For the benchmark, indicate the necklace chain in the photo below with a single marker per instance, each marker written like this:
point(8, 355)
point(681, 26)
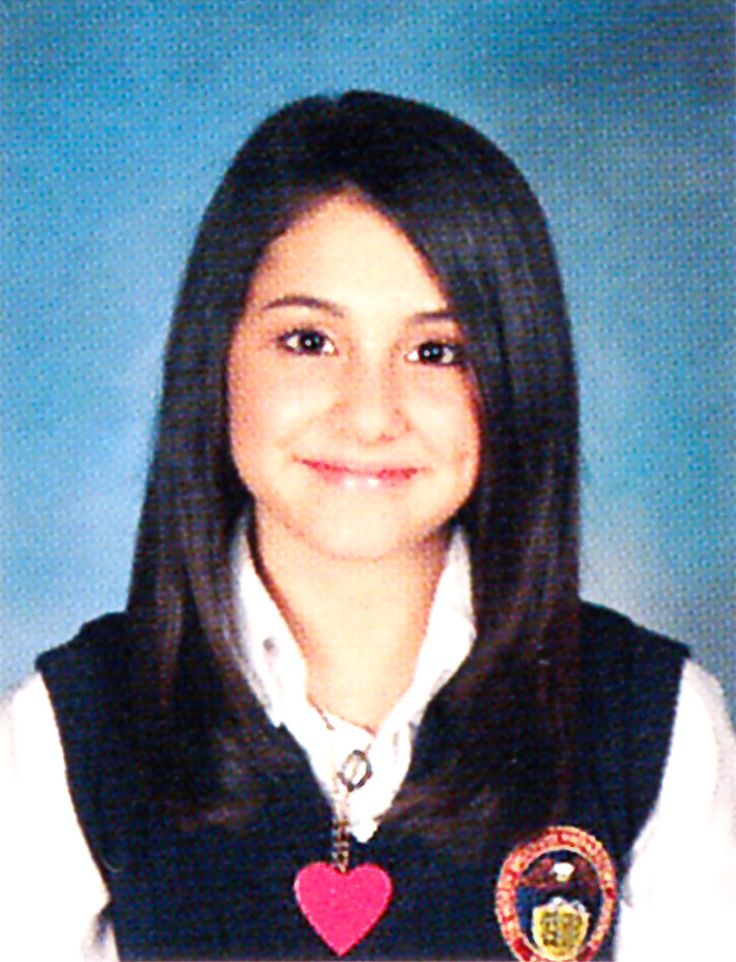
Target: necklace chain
point(352, 774)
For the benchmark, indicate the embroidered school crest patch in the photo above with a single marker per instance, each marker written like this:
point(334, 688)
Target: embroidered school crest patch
point(556, 896)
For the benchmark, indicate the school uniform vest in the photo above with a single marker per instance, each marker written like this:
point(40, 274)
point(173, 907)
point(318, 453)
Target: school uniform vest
point(216, 893)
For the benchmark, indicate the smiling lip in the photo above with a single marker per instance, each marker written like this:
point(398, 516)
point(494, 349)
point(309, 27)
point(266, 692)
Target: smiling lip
point(369, 476)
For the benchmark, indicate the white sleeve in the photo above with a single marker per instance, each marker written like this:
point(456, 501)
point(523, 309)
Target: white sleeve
point(51, 892)
point(679, 896)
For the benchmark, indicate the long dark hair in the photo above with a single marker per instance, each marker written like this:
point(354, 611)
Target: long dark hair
point(467, 209)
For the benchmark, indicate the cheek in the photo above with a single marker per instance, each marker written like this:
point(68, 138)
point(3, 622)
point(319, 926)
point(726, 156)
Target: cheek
point(451, 425)
point(466, 453)
point(268, 408)
point(250, 407)
point(255, 411)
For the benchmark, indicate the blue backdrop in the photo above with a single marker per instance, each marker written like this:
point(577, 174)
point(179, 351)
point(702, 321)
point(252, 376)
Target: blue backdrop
point(120, 118)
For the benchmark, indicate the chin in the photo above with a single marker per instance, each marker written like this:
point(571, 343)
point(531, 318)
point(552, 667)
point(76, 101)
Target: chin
point(367, 539)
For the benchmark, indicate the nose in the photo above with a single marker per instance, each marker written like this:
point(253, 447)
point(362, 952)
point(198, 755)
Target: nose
point(371, 401)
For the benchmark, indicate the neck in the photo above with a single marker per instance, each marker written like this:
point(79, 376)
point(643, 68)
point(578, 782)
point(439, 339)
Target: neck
point(360, 623)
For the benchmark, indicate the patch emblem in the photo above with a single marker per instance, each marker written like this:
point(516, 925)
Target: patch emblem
point(556, 896)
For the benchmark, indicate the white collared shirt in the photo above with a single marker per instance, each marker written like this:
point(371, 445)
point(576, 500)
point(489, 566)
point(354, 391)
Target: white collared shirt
point(676, 900)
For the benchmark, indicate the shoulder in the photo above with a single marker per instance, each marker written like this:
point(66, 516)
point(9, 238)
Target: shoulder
point(629, 674)
point(88, 681)
point(701, 769)
point(629, 687)
point(48, 726)
point(685, 856)
point(609, 634)
point(96, 644)
point(47, 871)
point(627, 670)
point(29, 738)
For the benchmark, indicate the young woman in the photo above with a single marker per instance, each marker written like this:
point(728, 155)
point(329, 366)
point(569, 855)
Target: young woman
point(355, 705)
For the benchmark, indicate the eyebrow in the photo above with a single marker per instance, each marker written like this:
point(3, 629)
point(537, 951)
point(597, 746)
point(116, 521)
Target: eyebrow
point(330, 307)
point(304, 300)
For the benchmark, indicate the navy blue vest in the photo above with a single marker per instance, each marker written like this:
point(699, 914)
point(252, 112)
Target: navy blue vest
point(217, 893)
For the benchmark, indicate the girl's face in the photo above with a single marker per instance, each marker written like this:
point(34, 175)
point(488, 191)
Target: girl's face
point(352, 415)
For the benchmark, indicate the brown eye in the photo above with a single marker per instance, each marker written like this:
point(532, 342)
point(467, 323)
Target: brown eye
point(437, 354)
point(307, 341)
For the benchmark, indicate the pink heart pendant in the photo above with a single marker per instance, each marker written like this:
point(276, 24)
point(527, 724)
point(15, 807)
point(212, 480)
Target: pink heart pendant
point(342, 907)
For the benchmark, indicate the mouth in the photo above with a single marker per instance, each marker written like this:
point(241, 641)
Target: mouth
point(369, 477)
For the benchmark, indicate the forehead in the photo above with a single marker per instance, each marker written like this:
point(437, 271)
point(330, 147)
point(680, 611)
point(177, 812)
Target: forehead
point(342, 246)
